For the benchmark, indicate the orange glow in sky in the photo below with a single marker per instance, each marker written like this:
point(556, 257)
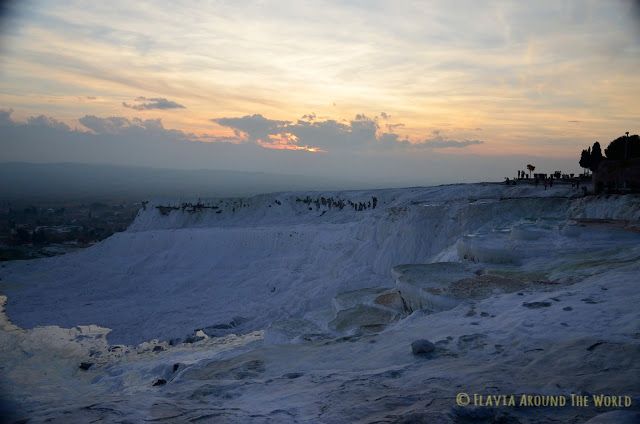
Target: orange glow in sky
point(523, 78)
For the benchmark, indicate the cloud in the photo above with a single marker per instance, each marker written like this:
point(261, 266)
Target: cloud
point(436, 141)
point(360, 135)
point(309, 133)
point(306, 134)
point(437, 144)
point(115, 140)
point(144, 103)
point(40, 121)
point(112, 125)
point(144, 128)
point(254, 127)
point(308, 117)
point(392, 127)
point(47, 122)
point(353, 149)
point(5, 117)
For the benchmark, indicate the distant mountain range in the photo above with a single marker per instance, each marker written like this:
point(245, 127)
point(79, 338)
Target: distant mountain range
point(28, 182)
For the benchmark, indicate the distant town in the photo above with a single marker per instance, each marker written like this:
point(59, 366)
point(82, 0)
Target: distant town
point(28, 232)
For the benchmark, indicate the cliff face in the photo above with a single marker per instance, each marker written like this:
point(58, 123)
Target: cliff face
point(267, 257)
point(618, 174)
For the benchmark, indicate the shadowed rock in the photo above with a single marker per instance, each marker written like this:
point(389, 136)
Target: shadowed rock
point(422, 347)
point(536, 305)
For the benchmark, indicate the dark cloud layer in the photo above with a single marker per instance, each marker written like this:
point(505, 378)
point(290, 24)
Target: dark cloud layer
point(360, 133)
point(117, 125)
point(144, 103)
point(255, 127)
point(381, 160)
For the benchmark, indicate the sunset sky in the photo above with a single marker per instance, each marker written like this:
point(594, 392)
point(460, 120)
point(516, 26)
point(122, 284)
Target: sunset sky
point(451, 78)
